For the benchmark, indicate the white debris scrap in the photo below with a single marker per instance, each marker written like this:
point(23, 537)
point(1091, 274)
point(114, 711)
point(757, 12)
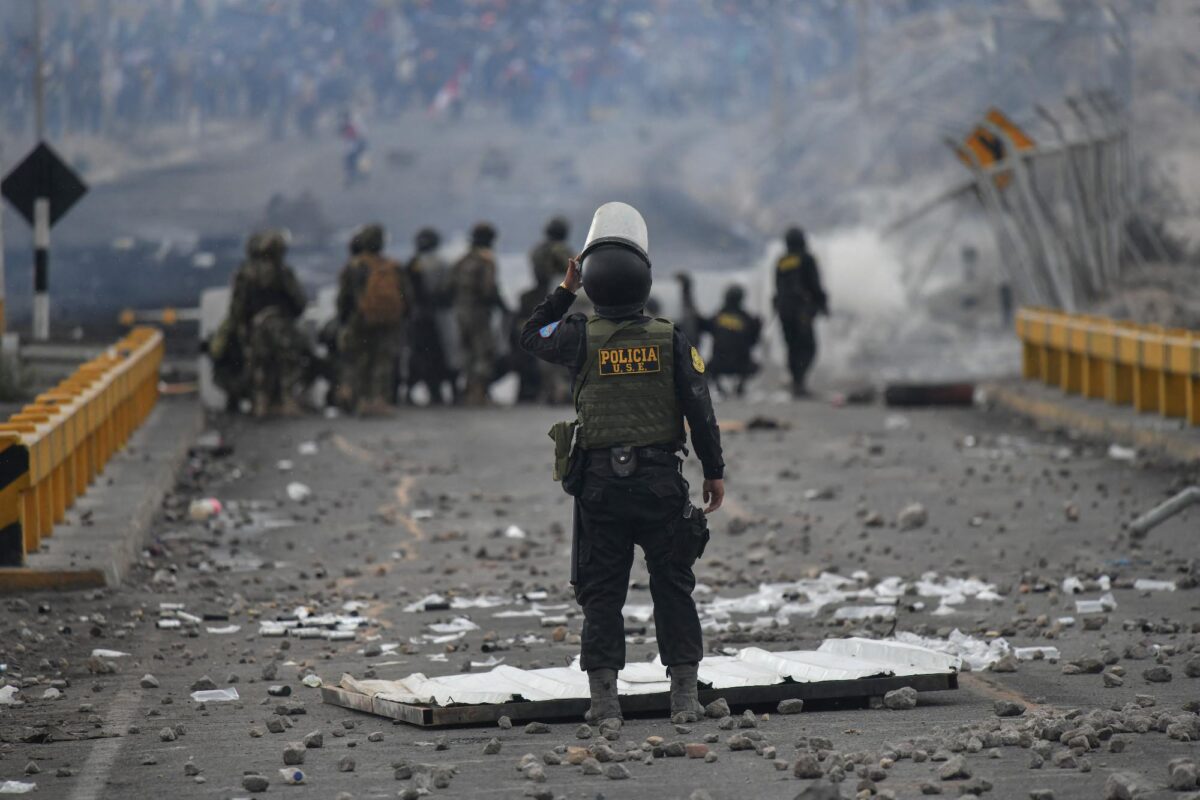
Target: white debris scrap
point(298, 492)
point(16, 787)
point(1031, 653)
point(1105, 604)
point(307, 448)
point(955, 591)
point(223, 630)
point(974, 651)
point(8, 696)
point(457, 603)
point(1149, 585)
point(102, 653)
point(216, 695)
point(514, 532)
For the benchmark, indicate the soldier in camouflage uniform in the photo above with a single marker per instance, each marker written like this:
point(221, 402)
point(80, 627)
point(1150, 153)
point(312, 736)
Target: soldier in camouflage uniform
point(549, 260)
point(476, 294)
point(267, 300)
point(373, 297)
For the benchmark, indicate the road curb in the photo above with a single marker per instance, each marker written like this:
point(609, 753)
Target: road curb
point(1096, 419)
point(120, 508)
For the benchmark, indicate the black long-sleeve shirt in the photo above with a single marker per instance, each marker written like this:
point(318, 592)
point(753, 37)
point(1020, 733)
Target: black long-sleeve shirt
point(565, 343)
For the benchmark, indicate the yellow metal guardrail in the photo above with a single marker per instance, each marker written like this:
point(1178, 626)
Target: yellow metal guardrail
point(1152, 368)
point(52, 449)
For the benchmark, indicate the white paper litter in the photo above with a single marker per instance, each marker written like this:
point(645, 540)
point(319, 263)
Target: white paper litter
point(298, 492)
point(16, 787)
point(1118, 453)
point(1105, 604)
point(168, 624)
point(216, 695)
point(422, 514)
point(285, 465)
point(8, 696)
point(307, 448)
point(456, 625)
point(1150, 585)
point(227, 629)
point(102, 653)
point(514, 532)
point(458, 603)
point(864, 612)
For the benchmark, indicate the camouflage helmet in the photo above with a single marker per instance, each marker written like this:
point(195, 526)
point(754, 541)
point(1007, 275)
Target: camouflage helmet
point(254, 244)
point(274, 243)
point(371, 237)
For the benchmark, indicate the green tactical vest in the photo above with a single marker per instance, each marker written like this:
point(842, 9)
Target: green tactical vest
point(625, 395)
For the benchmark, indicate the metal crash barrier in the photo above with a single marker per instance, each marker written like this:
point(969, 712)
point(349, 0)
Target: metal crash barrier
point(1152, 368)
point(53, 449)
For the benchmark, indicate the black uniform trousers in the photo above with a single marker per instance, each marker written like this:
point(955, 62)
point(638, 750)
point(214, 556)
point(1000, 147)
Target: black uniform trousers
point(615, 514)
point(801, 338)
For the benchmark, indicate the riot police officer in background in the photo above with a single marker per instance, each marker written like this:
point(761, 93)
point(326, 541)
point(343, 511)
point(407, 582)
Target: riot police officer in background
point(635, 381)
point(799, 298)
point(734, 333)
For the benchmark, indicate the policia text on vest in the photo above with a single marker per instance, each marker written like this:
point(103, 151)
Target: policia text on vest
point(628, 360)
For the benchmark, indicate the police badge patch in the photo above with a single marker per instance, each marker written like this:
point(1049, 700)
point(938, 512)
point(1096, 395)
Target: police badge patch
point(697, 361)
point(547, 331)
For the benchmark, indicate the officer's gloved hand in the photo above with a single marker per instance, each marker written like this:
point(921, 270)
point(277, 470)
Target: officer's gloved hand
point(714, 495)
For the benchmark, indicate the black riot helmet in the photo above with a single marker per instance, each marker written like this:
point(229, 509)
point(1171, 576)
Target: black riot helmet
point(483, 235)
point(734, 296)
point(557, 229)
point(616, 261)
point(795, 241)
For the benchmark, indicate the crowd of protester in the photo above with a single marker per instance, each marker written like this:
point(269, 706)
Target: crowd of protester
point(114, 66)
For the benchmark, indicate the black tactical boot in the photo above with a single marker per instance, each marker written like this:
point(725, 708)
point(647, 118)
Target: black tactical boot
point(685, 700)
point(605, 705)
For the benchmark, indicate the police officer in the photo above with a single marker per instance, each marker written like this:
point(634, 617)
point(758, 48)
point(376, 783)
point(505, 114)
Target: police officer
point(799, 298)
point(734, 333)
point(636, 380)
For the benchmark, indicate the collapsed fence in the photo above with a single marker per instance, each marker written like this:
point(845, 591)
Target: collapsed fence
point(52, 450)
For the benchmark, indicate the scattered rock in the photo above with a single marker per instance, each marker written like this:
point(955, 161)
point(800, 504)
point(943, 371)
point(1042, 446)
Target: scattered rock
point(1191, 667)
point(717, 709)
point(149, 681)
point(1124, 786)
point(696, 750)
point(820, 790)
point(1157, 674)
point(255, 783)
point(346, 764)
point(293, 754)
point(955, 769)
point(1009, 708)
point(167, 735)
point(537, 727)
point(807, 766)
point(204, 684)
point(492, 747)
point(505, 723)
point(790, 706)
point(314, 740)
point(1112, 679)
point(583, 732)
point(912, 516)
point(617, 772)
point(901, 699)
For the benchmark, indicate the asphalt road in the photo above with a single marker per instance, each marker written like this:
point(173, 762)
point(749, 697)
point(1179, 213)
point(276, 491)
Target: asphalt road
point(405, 507)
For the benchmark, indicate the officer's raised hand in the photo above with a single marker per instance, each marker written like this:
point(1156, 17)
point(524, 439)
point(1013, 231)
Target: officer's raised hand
point(714, 495)
point(573, 280)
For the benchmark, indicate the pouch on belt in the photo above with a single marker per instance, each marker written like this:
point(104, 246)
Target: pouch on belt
point(690, 534)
